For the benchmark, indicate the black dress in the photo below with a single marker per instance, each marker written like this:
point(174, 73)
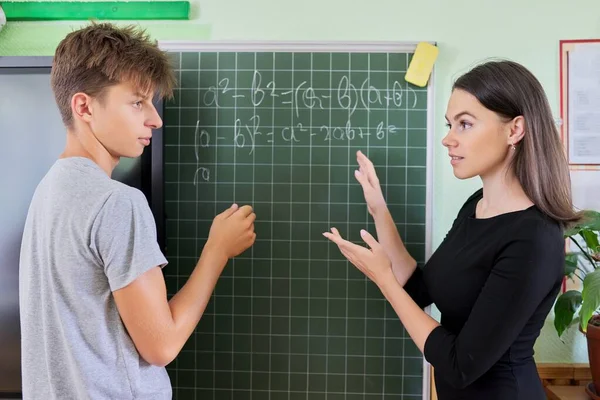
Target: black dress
point(494, 281)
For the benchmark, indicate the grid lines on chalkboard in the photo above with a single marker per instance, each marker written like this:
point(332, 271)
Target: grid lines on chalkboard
point(290, 318)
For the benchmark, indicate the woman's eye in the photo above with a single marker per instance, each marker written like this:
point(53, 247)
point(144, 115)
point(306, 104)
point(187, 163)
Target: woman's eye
point(137, 104)
point(465, 125)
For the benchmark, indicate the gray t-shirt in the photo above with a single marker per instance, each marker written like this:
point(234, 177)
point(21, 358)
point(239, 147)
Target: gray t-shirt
point(85, 236)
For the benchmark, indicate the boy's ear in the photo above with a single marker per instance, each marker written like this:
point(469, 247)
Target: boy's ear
point(81, 107)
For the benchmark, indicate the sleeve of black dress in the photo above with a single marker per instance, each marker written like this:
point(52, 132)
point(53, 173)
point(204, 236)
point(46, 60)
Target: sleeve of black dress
point(417, 290)
point(527, 268)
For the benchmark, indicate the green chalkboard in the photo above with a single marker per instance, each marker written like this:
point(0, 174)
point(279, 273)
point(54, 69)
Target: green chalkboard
point(290, 318)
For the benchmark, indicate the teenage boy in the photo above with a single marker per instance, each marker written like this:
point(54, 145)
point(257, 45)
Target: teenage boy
point(95, 319)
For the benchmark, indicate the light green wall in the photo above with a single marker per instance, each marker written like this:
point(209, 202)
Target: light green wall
point(467, 32)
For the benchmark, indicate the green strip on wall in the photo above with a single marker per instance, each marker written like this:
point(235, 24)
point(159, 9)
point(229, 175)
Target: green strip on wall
point(103, 10)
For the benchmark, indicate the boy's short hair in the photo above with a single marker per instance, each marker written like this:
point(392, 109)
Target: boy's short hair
point(101, 55)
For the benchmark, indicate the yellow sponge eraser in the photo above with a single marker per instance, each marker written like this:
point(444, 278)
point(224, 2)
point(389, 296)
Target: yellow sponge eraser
point(420, 67)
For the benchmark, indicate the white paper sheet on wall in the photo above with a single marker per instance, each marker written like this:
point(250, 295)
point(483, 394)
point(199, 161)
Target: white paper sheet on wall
point(584, 104)
point(585, 187)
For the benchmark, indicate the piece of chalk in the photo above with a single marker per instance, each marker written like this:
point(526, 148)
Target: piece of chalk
point(421, 65)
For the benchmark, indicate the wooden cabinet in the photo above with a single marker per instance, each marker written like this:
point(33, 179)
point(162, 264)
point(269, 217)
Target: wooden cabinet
point(558, 392)
point(561, 381)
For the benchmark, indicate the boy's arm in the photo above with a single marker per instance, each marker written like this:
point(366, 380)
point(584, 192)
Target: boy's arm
point(159, 328)
point(123, 239)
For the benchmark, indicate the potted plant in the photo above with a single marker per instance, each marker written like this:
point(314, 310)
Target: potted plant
point(574, 306)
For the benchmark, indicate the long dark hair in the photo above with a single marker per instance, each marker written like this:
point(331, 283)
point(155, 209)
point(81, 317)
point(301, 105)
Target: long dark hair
point(539, 162)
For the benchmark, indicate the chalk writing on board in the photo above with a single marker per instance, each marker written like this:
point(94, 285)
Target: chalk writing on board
point(245, 133)
point(202, 173)
point(347, 95)
point(201, 139)
point(211, 97)
point(258, 94)
point(239, 137)
point(349, 133)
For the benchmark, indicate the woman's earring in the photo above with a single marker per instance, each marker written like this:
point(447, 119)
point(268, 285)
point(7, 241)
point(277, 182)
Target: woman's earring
point(513, 146)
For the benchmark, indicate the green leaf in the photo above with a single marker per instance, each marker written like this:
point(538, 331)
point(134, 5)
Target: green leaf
point(564, 309)
point(591, 297)
point(591, 221)
point(591, 240)
point(571, 263)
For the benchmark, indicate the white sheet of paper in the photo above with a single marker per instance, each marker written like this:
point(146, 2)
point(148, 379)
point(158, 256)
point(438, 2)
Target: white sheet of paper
point(585, 187)
point(584, 104)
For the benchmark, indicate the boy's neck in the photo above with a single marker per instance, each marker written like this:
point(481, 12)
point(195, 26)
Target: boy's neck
point(84, 144)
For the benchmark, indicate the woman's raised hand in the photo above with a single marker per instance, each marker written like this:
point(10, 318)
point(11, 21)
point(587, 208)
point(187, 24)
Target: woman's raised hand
point(367, 177)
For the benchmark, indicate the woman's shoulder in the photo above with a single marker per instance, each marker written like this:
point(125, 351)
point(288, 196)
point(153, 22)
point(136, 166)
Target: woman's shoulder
point(533, 222)
point(535, 239)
